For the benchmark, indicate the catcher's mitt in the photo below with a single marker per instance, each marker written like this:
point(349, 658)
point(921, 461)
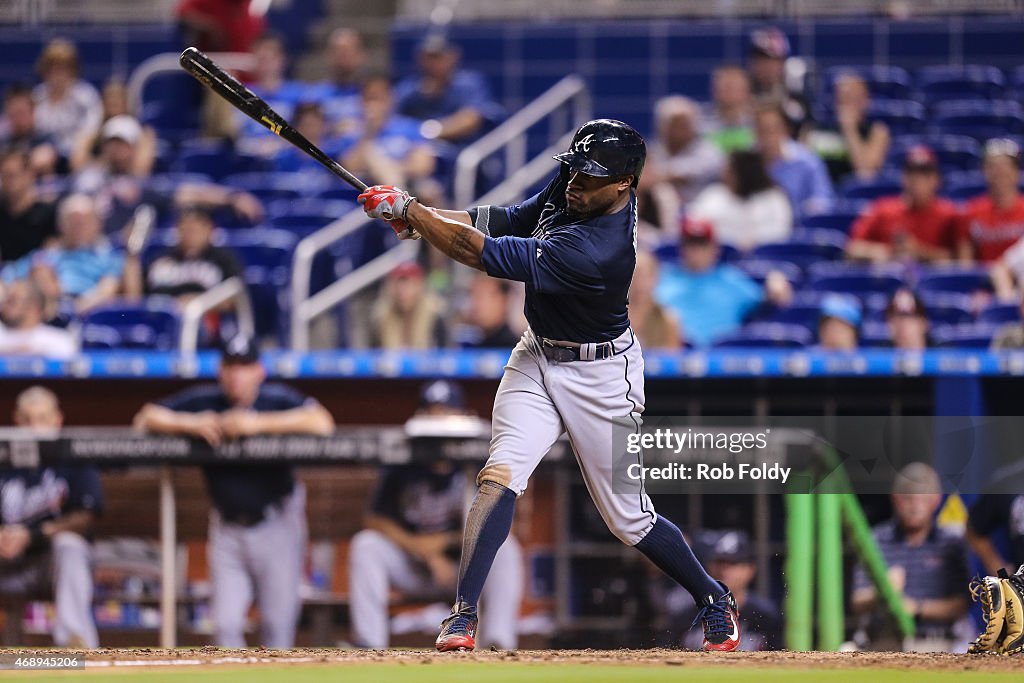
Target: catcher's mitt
point(1002, 606)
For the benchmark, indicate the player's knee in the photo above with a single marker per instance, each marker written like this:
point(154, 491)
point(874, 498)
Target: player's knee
point(64, 542)
point(495, 473)
point(365, 545)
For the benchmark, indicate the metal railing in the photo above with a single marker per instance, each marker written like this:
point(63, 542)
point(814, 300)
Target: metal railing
point(305, 307)
point(570, 92)
point(90, 11)
point(167, 62)
point(193, 312)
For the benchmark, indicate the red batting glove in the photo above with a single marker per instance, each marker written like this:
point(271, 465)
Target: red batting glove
point(390, 204)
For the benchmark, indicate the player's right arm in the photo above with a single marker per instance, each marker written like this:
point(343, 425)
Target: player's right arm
point(180, 414)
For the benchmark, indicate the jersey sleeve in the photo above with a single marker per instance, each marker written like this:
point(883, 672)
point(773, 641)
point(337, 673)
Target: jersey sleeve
point(385, 497)
point(518, 220)
point(193, 400)
point(282, 397)
point(558, 265)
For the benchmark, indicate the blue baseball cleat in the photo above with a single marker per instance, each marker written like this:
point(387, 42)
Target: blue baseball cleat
point(458, 631)
point(720, 618)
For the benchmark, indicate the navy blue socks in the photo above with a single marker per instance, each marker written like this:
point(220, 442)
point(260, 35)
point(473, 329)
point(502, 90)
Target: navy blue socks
point(665, 546)
point(487, 527)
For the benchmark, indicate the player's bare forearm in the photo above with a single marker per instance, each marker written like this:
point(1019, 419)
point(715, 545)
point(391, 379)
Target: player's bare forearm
point(76, 521)
point(450, 236)
point(305, 420)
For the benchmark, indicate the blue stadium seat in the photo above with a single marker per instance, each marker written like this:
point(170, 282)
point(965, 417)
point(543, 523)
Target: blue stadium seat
point(852, 278)
point(968, 336)
point(771, 335)
point(903, 117)
point(804, 309)
point(339, 191)
point(1000, 314)
point(152, 324)
point(945, 308)
point(805, 249)
point(303, 216)
point(215, 158)
point(953, 279)
point(882, 186)
point(267, 186)
point(757, 269)
point(266, 256)
point(980, 120)
point(955, 152)
point(884, 82)
point(840, 217)
point(946, 82)
point(964, 185)
point(875, 334)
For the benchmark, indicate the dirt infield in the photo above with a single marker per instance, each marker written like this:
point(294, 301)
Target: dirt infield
point(212, 657)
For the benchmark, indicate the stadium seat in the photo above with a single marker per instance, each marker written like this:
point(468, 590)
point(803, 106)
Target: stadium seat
point(805, 249)
point(945, 308)
point(266, 256)
point(875, 334)
point(152, 324)
point(335, 192)
point(955, 152)
point(267, 186)
point(303, 216)
point(1000, 314)
point(903, 117)
point(968, 336)
point(772, 335)
point(980, 120)
point(757, 269)
point(947, 82)
point(804, 310)
point(840, 217)
point(953, 278)
point(882, 186)
point(964, 185)
point(215, 158)
point(860, 280)
point(884, 82)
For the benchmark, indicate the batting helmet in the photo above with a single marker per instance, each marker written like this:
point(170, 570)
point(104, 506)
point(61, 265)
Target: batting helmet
point(606, 148)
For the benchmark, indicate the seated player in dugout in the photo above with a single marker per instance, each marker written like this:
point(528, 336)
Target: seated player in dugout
point(46, 521)
point(257, 534)
point(577, 368)
point(411, 541)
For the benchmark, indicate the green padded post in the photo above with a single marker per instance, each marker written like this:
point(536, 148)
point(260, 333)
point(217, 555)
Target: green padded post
point(799, 572)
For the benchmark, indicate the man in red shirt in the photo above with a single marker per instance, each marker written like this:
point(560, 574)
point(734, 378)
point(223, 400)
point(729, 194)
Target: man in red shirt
point(219, 25)
point(995, 220)
point(916, 225)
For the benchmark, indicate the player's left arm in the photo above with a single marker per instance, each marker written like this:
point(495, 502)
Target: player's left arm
point(312, 418)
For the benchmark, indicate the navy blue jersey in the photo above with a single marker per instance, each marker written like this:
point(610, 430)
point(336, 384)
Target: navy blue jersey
point(34, 496)
point(577, 271)
point(420, 499)
point(239, 491)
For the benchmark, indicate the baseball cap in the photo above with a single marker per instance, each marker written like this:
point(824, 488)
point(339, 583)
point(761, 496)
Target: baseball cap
point(917, 477)
point(920, 158)
point(769, 42)
point(406, 269)
point(239, 350)
point(842, 307)
point(442, 393)
point(436, 43)
point(121, 127)
point(1003, 147)
point(697, 230)
point(726, 545)
point(905, 302)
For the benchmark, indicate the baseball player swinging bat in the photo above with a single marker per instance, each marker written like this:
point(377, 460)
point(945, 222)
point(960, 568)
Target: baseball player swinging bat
point(206, 71)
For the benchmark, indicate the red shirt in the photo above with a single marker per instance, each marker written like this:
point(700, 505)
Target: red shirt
point(990, 229)
point(936, 224)
point(229, 19)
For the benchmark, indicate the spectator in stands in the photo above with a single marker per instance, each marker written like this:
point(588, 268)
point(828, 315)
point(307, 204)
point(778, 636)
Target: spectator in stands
point(918, 225)
point(927, 565)
point(994, 221)
point(19, 133)
point(81, 266)
point(407, 315)
point(65, 104)
point(774, 81)
point(454, 104)
point(907, 319)
point(258, 523)
point(270, 83)
point(189, 268)
point(995, 515)
point(1010, 335)
point(487, 320)
point(728, 555)
point(309, 120)
point(46, 520)
point(747, 208)
point(26, 222)
point(89, 145)
point(857, 146)
point(654, 324)
point(23, 331)
point(413, 535)
point(219, 25)
point(839, 323)
point(346, 64)
point(709, 298)
point(384, 147)
point(730, 122)
point(796, 169)
point(680, 161)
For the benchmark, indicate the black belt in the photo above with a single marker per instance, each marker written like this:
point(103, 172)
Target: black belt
point(565, 352)
point(252, 518)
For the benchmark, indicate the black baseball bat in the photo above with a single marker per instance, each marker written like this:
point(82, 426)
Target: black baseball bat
point(206, 71)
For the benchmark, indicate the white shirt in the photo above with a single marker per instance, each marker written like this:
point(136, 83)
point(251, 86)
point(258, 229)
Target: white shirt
point(762, 218)
point(41, 340)
point(700, 163)
point(79, 110)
